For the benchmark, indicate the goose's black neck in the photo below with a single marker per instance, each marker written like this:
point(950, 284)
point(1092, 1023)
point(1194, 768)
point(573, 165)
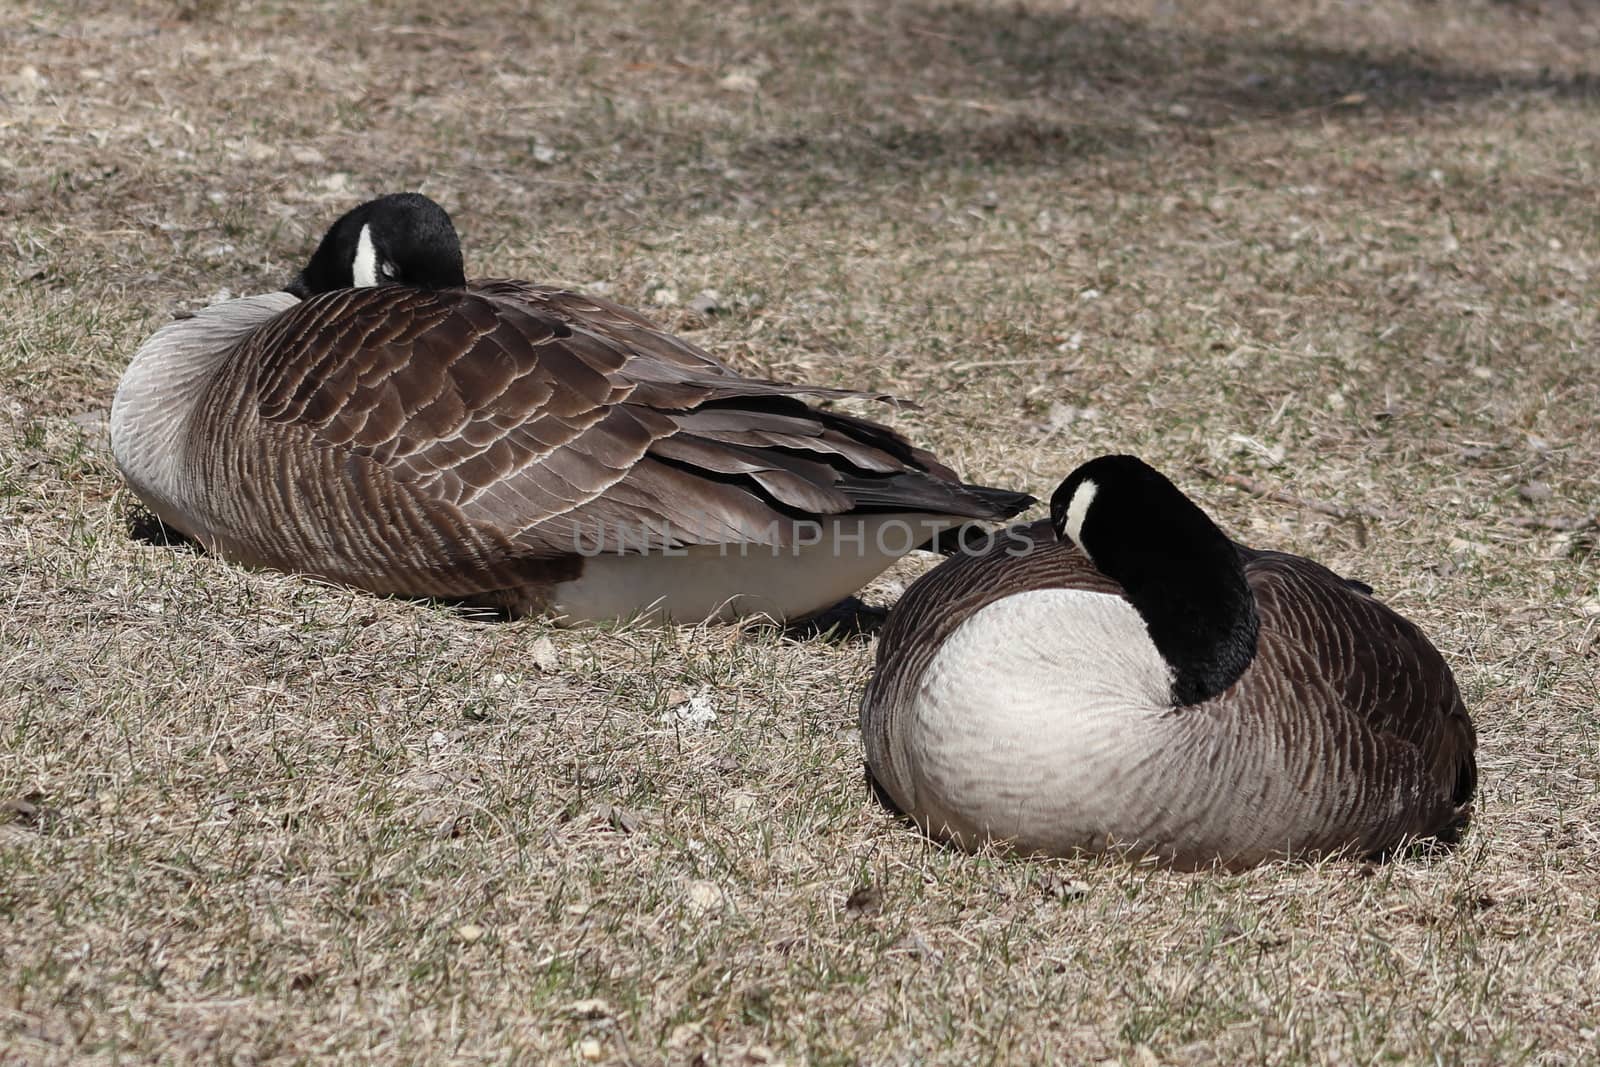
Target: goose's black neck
point(1183, 575)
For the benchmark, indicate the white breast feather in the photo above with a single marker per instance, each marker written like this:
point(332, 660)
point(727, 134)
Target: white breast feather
point(164, 381)
point(1031, 716)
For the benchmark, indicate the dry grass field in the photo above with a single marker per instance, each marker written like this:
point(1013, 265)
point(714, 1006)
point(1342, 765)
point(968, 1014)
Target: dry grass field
point(1334, 266)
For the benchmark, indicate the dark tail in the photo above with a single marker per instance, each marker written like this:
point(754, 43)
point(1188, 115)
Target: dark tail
point(917, 491)
point(975, 536)
point(1000, 503)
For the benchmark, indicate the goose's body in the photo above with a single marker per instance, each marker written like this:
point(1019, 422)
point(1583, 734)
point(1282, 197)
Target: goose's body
point(510, 444)
point(1023, 696)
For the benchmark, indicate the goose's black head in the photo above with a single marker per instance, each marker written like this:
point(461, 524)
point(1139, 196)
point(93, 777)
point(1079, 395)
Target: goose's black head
point(400, 239)
point(1184, 575)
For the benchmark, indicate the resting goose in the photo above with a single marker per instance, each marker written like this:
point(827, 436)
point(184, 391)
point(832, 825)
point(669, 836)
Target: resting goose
point(1125, 676)
point(386, 424)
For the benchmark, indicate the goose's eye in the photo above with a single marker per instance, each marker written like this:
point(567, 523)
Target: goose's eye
point(387, 271)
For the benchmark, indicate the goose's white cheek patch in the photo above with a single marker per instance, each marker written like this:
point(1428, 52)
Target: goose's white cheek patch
point(1078, 510)
point(364, 271)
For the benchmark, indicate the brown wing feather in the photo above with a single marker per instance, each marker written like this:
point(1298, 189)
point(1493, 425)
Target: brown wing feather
point(546, 416)
point(631, 330)
point(1385, 671)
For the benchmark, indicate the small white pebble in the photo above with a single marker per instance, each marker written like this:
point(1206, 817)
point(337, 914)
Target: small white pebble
point(706, 302)
point(685, 1034)
point(544, 656)
point(739, 81)
point(695, 713)
point(702, 898)
point(590, 1008)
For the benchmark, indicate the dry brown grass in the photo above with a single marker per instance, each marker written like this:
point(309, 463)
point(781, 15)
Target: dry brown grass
point(1347, 250)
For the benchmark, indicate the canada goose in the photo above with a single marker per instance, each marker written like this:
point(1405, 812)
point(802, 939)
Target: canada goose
point(1125, 676)
point(385, 423)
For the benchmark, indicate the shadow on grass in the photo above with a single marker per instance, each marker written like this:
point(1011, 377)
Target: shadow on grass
point(850, 620)
point(1255, 72)
point(862, 98)
point(145, 527)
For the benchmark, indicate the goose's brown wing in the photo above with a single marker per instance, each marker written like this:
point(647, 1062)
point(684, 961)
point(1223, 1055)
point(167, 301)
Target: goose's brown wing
point(553, 434)
point(633, 331)
point(660, 359)
point(1382, 667)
